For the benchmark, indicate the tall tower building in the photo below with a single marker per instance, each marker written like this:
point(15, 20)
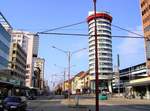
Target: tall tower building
point(104, 44)
point(145, 9)
point(30, 43)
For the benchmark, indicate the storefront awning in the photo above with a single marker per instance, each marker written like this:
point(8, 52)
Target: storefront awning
point(139, 82)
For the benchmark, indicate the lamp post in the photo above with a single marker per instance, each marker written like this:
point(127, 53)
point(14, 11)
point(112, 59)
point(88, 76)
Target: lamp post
point(69, 54)
point(64, 72)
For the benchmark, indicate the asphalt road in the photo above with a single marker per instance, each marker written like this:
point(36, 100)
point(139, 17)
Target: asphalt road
point(57, 103)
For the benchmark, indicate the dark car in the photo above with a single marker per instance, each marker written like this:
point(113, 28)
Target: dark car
point(31, 97)
point(14, 103)
point(1, 99)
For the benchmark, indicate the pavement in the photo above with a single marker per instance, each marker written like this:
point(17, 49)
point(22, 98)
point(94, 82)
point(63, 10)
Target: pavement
point(87, 103)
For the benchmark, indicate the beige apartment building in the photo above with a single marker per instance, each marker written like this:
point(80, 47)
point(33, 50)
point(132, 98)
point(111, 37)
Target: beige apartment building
point(30, 43)
point(39, 64)
point(17, 58)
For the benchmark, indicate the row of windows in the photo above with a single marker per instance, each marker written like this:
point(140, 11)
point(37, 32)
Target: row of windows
point(145, 10)
point(101, 45)
point(146, 29)
point(100, 22)
point(103, 26)
point(22, 52)
point(101, 31)
point(23, 58)
point(104, 69)
point(100, 26)
point(17, 60)
point(144, 3)
point(18, 75)
point(103, 54)
point(3, 61)
point(101, 49)
point(101, 36)
point(102, 40)
point(4, 47)
point(105, 44)
point(18, 68)
point(109, 58)
point(146, 19)
point(5, 33)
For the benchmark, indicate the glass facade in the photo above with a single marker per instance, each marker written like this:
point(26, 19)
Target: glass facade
point(5, 39)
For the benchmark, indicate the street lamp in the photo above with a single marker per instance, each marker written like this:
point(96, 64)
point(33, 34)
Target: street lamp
point(69, 55)
point(64, 72)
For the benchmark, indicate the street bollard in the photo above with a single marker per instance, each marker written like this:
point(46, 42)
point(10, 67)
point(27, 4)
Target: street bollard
point(77, 100)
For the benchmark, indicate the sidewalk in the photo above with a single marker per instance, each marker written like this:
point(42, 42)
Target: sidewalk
point(111, 101)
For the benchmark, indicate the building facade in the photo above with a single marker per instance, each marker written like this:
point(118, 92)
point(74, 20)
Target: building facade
point(6, 80)
point(81, 83)
point(5, 40)
point(39, 64)
point(145, 10)
point(30, 43)
point(104, 44)
point(134, 82)
point(18, 59)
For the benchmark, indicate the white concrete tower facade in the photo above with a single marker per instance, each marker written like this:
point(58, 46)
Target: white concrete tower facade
point(104, 45)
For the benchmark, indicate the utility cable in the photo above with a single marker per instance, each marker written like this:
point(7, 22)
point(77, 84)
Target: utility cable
point(86, 35)
point(57, 28)
point(78, 23)
point(127, 30)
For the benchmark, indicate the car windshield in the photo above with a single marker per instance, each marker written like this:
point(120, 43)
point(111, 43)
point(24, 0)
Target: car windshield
point(12, 99)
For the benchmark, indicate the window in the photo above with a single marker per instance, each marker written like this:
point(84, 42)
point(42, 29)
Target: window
point(14, 51)
point(147, 28)
point(27, 76)
point(28, 66)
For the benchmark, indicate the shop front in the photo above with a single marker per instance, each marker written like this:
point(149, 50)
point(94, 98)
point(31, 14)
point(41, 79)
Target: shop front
point(139, 88)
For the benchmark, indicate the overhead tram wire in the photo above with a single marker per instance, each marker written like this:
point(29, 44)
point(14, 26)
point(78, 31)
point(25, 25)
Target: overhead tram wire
point(62, 27)
point(127, 30)
point(86, 35)
point(78, 23)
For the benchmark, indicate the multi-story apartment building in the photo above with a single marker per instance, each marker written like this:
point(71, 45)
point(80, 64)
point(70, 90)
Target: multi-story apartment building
point(18, 59)
point(145, 10)
point(39, 63)
point(104, 44)
point(80, 83)
point(29, 42)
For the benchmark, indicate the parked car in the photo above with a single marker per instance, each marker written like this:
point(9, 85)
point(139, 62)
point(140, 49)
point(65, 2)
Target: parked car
point(65, 93)
point(1, 107)
point(14, 103)
point(1, 99)
point(31, 97)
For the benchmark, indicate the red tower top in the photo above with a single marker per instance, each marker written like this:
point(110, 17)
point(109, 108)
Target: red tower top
point(99, 15)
